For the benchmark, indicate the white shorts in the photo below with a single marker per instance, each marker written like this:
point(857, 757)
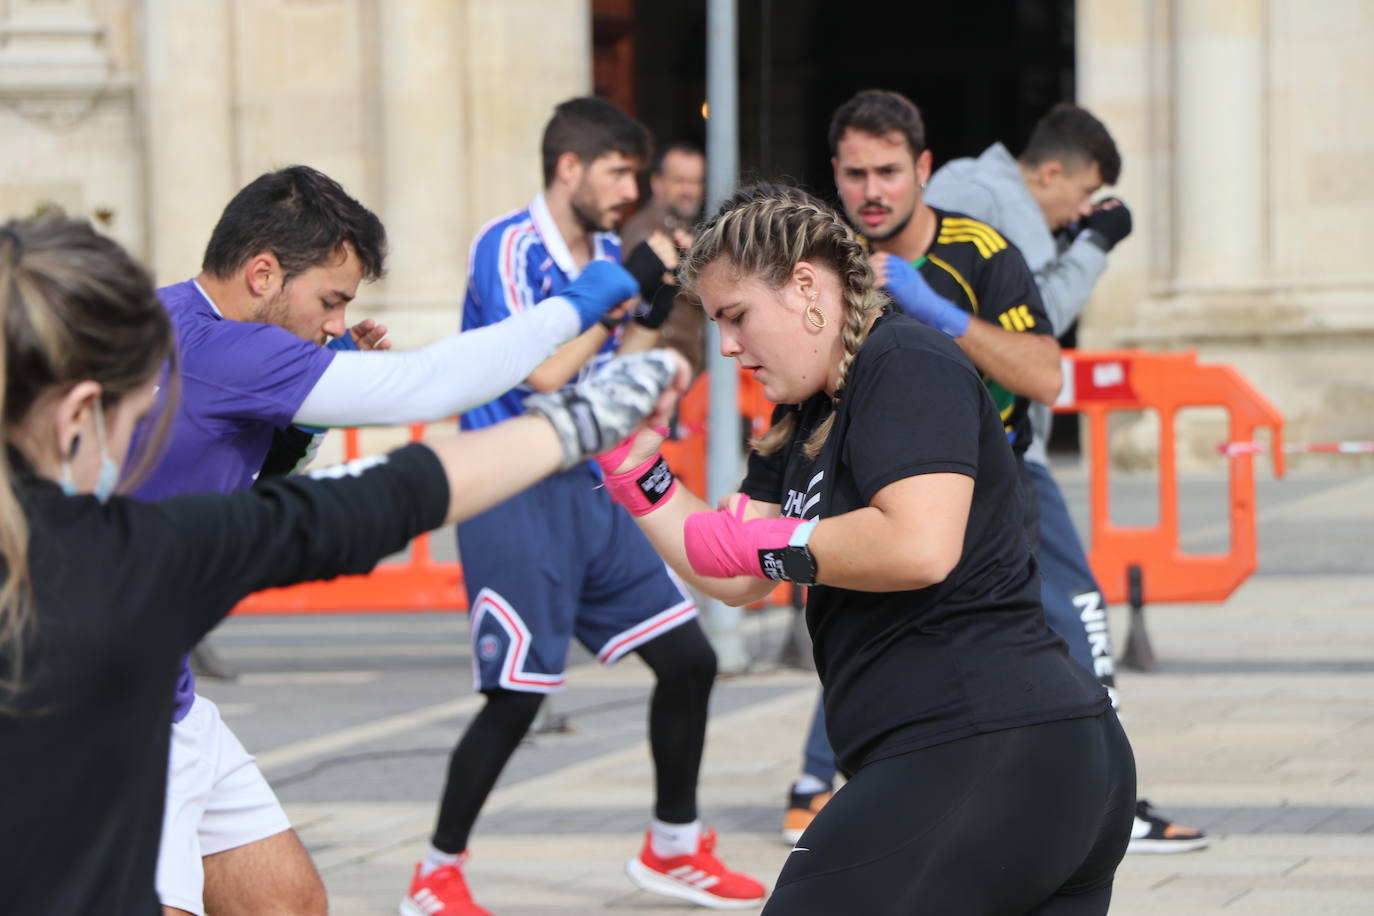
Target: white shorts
point(217, 799)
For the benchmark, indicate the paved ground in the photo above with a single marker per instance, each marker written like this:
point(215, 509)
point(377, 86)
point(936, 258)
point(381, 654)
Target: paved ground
point(1258, 725)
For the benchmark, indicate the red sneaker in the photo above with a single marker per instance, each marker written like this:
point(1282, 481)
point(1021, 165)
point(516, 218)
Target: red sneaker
point(442, 892)
point(701, 878)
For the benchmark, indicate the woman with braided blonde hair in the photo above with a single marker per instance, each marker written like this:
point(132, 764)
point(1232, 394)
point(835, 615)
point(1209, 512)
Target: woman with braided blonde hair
point(988, 773)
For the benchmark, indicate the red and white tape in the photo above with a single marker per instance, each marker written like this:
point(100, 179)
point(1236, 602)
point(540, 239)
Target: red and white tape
point(1232, 449)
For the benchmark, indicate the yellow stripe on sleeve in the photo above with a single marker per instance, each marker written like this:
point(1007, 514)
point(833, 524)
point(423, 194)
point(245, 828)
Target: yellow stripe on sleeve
point(995, 239)
point(958, 278)
point(977, 241)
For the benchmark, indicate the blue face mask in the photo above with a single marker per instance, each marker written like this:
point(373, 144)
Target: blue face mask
point(107, 478)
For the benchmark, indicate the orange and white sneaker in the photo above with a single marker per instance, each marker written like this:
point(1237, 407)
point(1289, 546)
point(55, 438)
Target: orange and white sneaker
point(802, 808)
point(700, 878)
point(442, 892)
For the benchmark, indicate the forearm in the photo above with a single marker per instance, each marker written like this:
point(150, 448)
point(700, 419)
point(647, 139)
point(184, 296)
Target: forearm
point(447, 377)
point(909, 536)
point(568, 360)
point(1066, 282)
point(664, 528)
point(1024, 364)
point(867, 550)
point(636, 338)
point(490, 465)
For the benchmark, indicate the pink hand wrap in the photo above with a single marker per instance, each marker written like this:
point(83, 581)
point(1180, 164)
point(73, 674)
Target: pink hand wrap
point(723, 545)
point(643, 488)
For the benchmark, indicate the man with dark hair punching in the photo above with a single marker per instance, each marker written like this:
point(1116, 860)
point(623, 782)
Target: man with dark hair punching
point(948, 270)
point(283, 263)
point(1042, 201)
point(561, 560)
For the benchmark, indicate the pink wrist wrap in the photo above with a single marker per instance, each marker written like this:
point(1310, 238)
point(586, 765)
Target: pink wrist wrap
point(642, 488)
point(723, 545)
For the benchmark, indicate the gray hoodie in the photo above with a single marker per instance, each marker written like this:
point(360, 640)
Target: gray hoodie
point(992, 189)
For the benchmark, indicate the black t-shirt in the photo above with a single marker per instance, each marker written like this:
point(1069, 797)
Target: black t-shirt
point(122, 591)
point(906, 670)
point(973, 266)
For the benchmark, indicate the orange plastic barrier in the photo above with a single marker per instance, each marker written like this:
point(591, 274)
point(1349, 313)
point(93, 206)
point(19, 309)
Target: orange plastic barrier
point(686, 451)
point(419, 584)
point(687, 455)
point(1097, 383)
point(422, 583)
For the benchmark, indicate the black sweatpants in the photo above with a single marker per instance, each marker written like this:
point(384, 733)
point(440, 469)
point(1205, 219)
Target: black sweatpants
point(1029, 821)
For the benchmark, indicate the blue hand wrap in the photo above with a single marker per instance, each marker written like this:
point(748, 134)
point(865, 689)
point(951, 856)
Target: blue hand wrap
point(599, 288)
point(914, 296)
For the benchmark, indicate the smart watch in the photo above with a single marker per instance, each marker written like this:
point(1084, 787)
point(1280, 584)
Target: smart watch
point(793, 563)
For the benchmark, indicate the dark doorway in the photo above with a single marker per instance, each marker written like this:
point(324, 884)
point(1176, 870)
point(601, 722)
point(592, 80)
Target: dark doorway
point(980, 70)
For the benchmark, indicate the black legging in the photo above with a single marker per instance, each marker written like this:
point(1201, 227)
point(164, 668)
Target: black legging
point(684, 665)
point(1028, 821)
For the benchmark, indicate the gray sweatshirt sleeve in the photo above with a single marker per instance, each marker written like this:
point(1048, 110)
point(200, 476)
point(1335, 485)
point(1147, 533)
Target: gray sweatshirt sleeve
point(1066, 281)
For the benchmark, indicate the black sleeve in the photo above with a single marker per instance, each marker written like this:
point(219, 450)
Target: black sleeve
point(1008, 296)
point(763, 479)
point(295, 529)
point(288, 450)
point(911, 413)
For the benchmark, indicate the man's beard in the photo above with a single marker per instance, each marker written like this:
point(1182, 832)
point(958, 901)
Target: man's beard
point(277, 311)
point(584, 211)
point(273, 311)
point(891, 233)
point(684, 219)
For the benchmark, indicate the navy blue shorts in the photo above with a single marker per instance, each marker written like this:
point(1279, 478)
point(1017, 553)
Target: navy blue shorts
point(556, 561)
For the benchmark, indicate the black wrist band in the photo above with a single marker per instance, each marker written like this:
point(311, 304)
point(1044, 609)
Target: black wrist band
point(657, 482)
point(1098, 239)
point(609, 322)
point(647, 268)
point(653, 313)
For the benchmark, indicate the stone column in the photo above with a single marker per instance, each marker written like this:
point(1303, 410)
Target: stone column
point(522, 58)
point(1220, 148)
point(421, 89)
point(188, 129)
point(1118, 48)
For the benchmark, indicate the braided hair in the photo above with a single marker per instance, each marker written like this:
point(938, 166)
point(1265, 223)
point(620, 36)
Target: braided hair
point(764, 230)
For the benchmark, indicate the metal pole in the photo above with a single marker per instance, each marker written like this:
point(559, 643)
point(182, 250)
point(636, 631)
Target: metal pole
point(723, 430)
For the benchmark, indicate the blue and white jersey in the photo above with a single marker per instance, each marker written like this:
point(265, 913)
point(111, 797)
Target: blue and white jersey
point(516, 261)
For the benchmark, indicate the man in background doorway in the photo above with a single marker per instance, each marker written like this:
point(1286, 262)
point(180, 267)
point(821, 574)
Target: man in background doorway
point(677, 182)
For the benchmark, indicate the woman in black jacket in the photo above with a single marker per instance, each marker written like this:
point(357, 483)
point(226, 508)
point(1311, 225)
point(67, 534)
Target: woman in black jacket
point(101, 594)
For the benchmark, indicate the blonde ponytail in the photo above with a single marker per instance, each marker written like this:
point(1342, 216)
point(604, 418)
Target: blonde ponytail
point(16, 590)
point(74, 306)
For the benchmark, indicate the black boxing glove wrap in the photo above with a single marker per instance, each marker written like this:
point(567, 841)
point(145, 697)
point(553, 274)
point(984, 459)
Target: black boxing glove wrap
point(1108, 226)
point(653, 313)
point(647, 269)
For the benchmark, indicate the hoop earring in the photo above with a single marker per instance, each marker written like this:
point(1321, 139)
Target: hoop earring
point(816, 316)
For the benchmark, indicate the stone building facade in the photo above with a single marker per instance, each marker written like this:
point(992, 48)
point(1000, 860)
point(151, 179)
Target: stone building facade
point(1247, 128)
point(1245, 124)
point(148, 114)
